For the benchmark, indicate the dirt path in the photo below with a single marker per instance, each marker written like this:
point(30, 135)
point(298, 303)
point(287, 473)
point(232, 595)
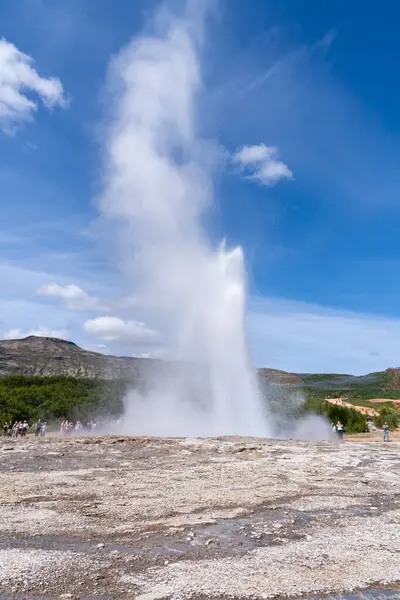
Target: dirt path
point(361, 409)
point(173, 519)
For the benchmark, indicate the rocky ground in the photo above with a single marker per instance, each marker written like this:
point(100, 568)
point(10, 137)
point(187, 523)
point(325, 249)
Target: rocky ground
point(218, 518)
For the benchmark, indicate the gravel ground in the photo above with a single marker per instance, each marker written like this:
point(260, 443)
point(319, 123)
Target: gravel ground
point(119, 517)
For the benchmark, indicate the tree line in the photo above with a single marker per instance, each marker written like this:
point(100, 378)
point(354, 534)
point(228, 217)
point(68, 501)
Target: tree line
point(55, 398)
point(353, 420)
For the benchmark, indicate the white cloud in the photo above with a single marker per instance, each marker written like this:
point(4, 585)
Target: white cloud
point(261, 161)
point(114, 329)
point(71, 295)
point(308, 338)
point(17, 79)
point(15, 334)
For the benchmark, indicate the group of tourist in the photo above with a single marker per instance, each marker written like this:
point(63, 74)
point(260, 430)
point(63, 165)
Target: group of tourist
point(67, 427)
point(21, 428)
point(39, 428)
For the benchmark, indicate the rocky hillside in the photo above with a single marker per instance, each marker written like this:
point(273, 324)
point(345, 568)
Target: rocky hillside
point(280, 377)
point(52, 356)
point(392, 379)
point(46, 356)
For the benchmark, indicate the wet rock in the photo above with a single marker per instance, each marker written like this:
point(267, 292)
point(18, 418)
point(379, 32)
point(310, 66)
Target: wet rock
point(190, 536)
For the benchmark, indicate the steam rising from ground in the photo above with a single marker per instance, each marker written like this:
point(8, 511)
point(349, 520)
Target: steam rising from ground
point(159, 185)
point(287, 416)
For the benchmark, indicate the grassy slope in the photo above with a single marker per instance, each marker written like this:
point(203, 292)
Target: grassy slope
point(358, 390)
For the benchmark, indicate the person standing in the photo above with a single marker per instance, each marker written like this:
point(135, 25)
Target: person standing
point(340, 430)
point(385, 432)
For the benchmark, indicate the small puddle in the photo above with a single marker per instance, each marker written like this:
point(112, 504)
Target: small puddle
point(65, 545)
point(226, 536)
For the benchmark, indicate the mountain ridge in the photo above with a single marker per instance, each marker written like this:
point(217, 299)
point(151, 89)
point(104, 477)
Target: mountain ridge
point(47, 356)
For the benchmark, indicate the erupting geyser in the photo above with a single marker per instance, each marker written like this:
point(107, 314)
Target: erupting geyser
point(159, 185)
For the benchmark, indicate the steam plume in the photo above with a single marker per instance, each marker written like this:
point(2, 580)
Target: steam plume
point(159, 185)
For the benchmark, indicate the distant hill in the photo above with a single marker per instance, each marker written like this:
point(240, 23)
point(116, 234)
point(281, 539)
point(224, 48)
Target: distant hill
point(339, 381)
point(280, 377)
point(46, 356)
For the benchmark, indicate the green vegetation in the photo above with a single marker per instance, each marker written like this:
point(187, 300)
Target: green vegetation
point(356, 394)
point(359, 395)
point(316, 377)
point(55, 398)
point(288, 402)
point(353, 421)
point(387, 416)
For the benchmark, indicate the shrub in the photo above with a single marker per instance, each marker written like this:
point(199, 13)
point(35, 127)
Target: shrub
point(353, 421)
point(387, 416)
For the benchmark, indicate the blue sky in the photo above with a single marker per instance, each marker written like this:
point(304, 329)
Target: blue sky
point(317, 80)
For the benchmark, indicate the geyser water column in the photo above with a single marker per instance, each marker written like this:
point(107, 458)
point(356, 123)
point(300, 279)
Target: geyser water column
point(237, 406)
point(158, 185)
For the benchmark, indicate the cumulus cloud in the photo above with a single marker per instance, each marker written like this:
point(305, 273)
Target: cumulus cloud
point(18, 81)
point(72, 296)
point(114, 329)
point(15, 334)
point(260, 164)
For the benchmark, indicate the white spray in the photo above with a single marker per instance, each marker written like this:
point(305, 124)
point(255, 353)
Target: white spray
point(158, 184)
